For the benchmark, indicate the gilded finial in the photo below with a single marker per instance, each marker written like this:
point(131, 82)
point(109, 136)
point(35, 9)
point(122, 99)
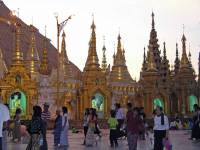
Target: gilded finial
point(45, 31)
point(177, 50)
point(93, 25)
point(92, 59)
point(104, 62)
point(153, 22)
point(144, 60)
point(18, 56)
point(189, 55)
point(144, 56)
point(164, 50)
point(184, 59)
point(119, 43)
point(44, 66)
point(32, 57)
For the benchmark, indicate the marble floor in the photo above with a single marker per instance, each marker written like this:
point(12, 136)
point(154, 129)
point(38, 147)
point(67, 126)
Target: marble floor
point(179, 140)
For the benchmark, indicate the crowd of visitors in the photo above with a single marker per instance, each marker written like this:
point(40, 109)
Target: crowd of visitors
point(133, 126)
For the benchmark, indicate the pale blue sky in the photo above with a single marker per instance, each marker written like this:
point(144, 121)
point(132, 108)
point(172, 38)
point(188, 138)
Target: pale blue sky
point(133, 17)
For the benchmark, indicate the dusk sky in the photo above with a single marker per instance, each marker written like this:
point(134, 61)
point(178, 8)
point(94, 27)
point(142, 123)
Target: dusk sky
point(132, 18)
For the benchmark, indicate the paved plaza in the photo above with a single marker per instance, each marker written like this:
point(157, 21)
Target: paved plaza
point(179, 140)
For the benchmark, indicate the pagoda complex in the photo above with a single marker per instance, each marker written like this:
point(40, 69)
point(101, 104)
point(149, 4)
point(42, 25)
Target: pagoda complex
point(29, 74)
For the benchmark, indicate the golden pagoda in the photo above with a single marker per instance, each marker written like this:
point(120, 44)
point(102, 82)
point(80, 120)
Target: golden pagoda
point(17, 88)
point(95, 91)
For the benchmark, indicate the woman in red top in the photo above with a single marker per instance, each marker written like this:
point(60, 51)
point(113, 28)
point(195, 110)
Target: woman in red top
point(134, 126)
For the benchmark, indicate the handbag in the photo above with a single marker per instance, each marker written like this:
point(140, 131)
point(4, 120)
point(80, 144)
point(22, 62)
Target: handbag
point(167, 144)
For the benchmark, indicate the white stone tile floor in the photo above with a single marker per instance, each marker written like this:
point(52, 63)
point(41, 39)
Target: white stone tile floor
point(180, 141)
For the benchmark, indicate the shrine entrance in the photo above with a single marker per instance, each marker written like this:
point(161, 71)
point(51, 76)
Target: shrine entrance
point(158, 102)
point(17, 100)
point(192, 100)
point(98, 104)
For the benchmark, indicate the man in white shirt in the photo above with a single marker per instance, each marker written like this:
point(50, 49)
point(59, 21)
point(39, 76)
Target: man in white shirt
point(4, 112)
point(161, 127)
point(120, 118)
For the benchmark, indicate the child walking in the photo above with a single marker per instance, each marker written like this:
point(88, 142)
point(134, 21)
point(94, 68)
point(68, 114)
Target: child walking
point(112, 122)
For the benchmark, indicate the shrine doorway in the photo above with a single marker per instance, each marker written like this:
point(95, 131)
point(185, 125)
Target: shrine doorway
point(158, 102)
point(98, 104)
point(17, 100)
point(192, 100)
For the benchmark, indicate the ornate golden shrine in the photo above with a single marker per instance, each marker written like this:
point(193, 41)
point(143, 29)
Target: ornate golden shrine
point(17, 82)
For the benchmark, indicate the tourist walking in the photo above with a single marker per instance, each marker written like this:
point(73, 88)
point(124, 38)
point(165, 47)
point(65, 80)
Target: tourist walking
point(57, 128)
point(112, 122)
point(46, 116)
point(5, 116)
point(17, 126)
point(65, 126)
point(161, 128)
point(90, 137)
point(85, 123)
point(196, 123)
point(36, 129)
point(134, 126)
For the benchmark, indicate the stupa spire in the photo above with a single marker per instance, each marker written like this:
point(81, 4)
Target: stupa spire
point(44, 66)
point(164, 51)
point(104, 61)
point(177, 61)
point(184, 58)
point(32, 57)
point(119, 63)
point(153, 22)
point(119, 57)
point(92, 59)
point(144, 61)
point(153, 44)
point(63, 49)
point(63, 61)
point(17, 56)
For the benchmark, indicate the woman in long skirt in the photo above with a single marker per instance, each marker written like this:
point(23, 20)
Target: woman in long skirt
point(90, 137)
point(64, 133)
point(57, 128)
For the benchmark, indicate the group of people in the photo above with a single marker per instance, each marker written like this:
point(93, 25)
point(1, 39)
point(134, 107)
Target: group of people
point(132, 125)
point(135, 125)
point(38, 126)
point(35, 131)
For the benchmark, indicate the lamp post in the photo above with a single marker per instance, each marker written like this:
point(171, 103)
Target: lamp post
point(60, 27)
